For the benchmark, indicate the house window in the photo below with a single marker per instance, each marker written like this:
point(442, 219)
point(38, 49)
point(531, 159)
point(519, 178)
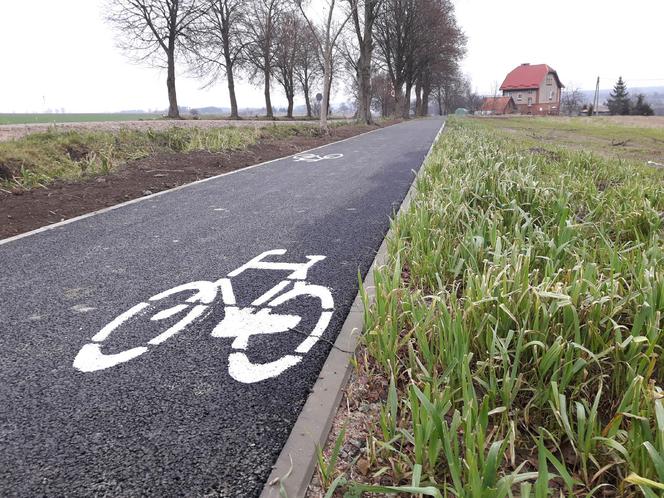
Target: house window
point(551, 95)
point(549, 80)
point(530, 101)
point(519, 97)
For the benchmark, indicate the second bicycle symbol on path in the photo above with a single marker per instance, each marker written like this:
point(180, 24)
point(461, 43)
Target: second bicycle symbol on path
point(314, 158)
point(198, 299)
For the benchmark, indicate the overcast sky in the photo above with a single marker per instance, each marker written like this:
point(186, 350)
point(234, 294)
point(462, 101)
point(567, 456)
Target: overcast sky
point(60, 54)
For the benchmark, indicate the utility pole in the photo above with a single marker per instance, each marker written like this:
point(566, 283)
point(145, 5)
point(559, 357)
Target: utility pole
point(596, 100)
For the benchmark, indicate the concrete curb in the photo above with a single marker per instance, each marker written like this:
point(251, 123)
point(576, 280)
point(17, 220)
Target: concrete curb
point(175, 189)
point(295, 466)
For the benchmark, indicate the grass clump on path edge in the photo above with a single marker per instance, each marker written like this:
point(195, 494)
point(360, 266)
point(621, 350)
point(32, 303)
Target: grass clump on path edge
point(519, 326)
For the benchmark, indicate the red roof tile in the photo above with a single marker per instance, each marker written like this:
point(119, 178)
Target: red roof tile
point(527, 77)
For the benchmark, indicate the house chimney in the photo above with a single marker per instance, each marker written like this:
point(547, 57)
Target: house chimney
point(526, 64)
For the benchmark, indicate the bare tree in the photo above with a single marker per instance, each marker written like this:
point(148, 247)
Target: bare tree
point(450, 91)
point(155, 31)
point(428, 54)
point(473, 100)
point(260, 21)
point(364, 14)
point(440, 45)
point(382, 99)
point(571, 101)
point(286, 56)
point(218, 46)
point(395, 33)
point(326, 35)
point(494, 89)
point(307, 67)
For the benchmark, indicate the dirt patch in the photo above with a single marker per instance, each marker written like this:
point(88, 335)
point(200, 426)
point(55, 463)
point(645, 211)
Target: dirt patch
point(358, 415)
point(77, 152)
point(6, 172)
point(549, 154)
point(22, 211)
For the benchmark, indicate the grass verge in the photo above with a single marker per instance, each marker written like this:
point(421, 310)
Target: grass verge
point(630, 138)
point(12, 119)
point(518, 328)
point(40, 158)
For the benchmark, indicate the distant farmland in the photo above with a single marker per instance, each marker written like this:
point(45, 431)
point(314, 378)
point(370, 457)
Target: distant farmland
point(72, 118)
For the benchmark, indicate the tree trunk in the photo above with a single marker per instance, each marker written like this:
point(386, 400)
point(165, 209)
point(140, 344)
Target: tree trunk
point(426, 95)
point(290, 98)
point(231, 91)
point(324, 105)
point(439, 99)
point(406, 101)
point(268, 100)
point(364, 82)
point(418, 99)
point(173, 111)
point(329, 91)
point(307, 99)
point(398, 101)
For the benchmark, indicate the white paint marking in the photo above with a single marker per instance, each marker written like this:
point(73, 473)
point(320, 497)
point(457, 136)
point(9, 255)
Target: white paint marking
point(310, 341)
point(81, 308)
point(207, 292)
point(255, 261)
point(238, 323)
point(104, 333)
point(242, 370)
point(90, 358)
point(271, 293)
point(299, 270)
point(163, 315)
point(180, 326)
point(314, 158)
point(303, 289)
point(227, 293)
point(245, 322)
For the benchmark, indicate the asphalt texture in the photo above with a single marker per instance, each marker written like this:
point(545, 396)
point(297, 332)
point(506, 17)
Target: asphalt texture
point(173, 422)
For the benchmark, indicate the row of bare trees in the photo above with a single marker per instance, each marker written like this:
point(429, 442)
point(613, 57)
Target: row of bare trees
point(409, 46)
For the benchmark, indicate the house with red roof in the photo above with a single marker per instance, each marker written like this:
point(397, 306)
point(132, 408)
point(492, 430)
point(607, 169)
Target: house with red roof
point(536, 89)
point(498, 105)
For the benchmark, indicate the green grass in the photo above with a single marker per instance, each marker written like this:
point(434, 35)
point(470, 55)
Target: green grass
point(519, 325)
point(628, 138)
point(40, 158)
point(72, 118)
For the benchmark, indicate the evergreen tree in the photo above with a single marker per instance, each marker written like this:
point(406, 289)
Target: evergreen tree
point(642, 108)
point(619, 103)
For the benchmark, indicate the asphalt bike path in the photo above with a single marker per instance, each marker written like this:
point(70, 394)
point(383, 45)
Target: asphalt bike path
point(166, 347)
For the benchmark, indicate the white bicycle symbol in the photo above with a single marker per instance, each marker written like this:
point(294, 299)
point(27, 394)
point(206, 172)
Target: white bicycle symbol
point(314, 158)
point(239, 323)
